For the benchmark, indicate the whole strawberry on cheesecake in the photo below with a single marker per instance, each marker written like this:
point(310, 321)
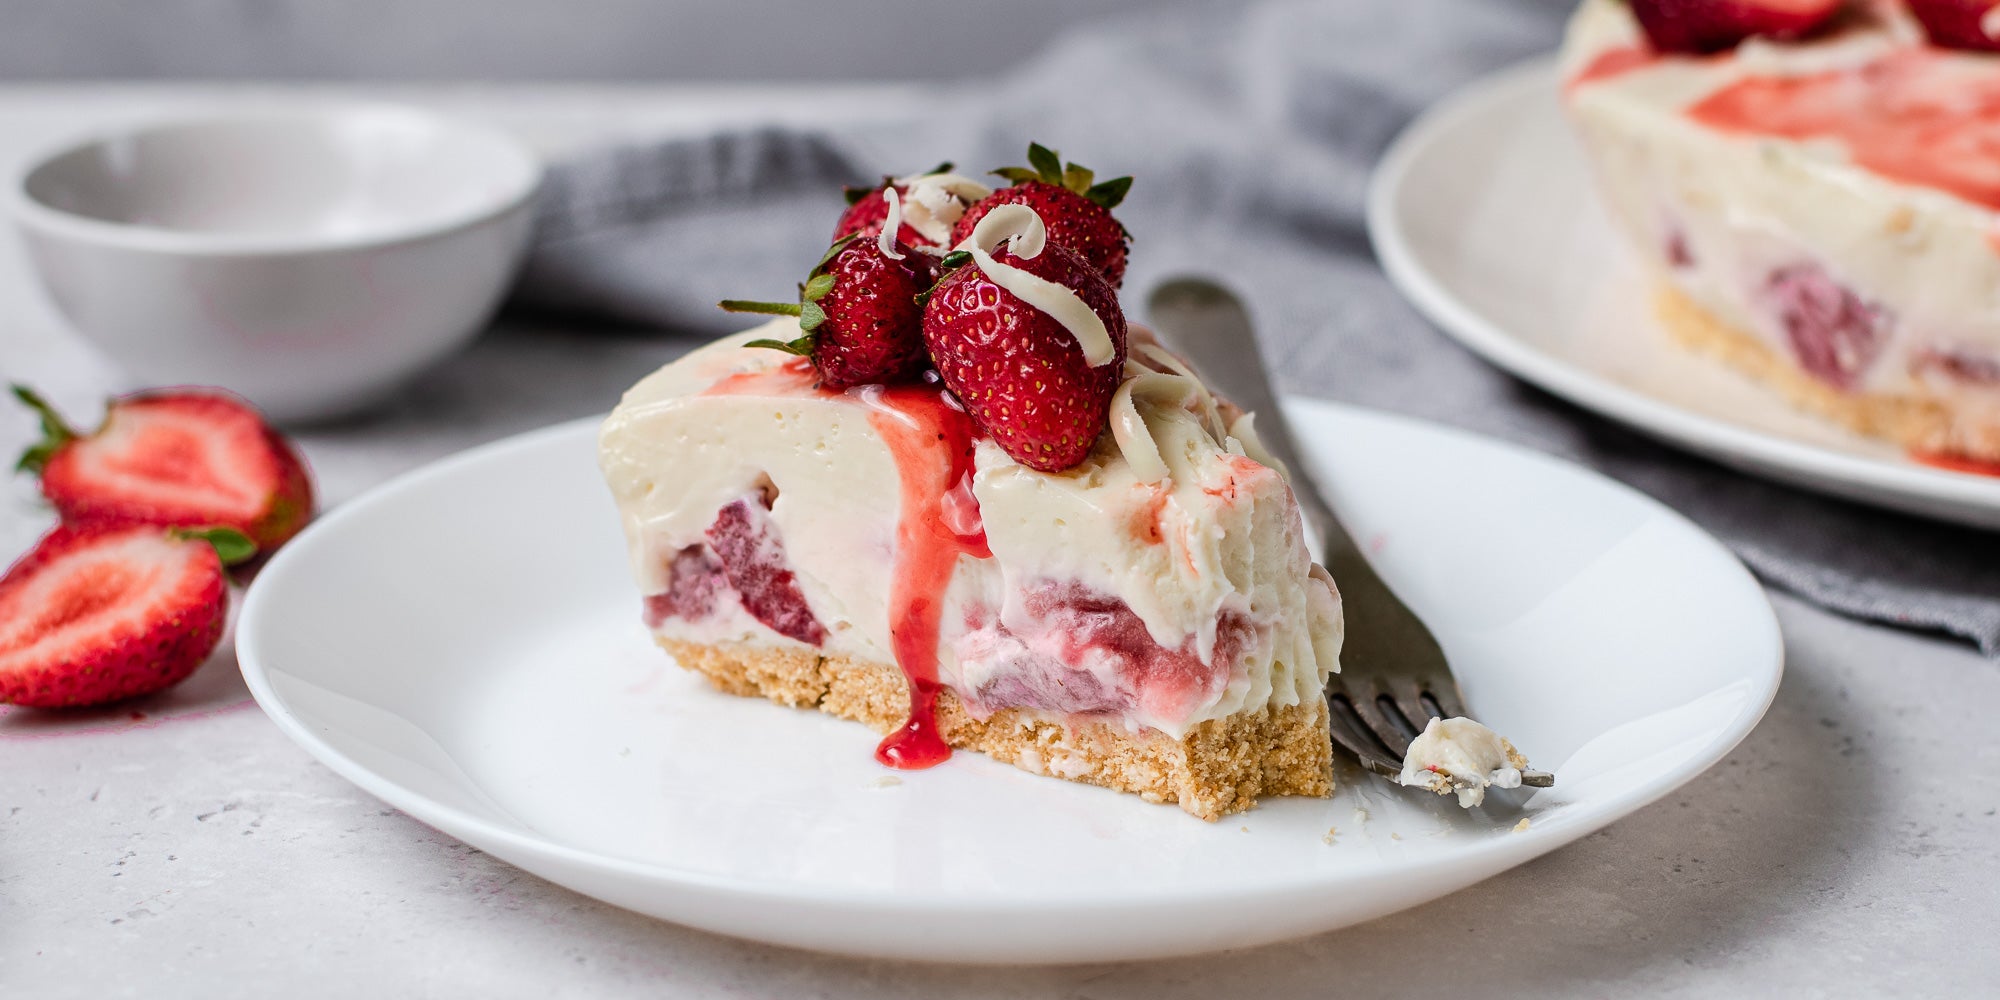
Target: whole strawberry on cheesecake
point(1044, 539)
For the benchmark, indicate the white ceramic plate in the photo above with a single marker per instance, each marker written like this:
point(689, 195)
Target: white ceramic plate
point(1483, 213)
point(464, 643)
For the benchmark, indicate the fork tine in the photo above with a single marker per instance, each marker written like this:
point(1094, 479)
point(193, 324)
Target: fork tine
point(1388, 731)
point(1444, 691)
point(1352, 734)
point(1409, 699)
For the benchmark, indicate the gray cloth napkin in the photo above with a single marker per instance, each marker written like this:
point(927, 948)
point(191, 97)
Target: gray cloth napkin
point(1252, 135)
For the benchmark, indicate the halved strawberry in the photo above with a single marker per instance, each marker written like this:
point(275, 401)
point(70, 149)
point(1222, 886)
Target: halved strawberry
point(1038, 375)
point(859, 320)
point(1714, 25)
point(1071, 202)
point(1960, 24)
point(173, 457)
point(98, 613)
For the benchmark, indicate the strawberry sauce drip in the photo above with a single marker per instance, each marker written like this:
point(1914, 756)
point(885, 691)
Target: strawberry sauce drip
point(794, 377)
point(932, 442)
point(1610, 63)
point(1918, 116)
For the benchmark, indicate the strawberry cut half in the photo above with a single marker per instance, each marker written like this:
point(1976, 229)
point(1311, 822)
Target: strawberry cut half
point(1714, 25)
point(177, 457)
point(1960, 24)
point(95, 614)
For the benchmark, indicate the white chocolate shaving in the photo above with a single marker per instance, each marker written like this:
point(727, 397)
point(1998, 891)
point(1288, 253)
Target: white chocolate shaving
point(1160, 357)
point(1022, 230)
point(892, 225)
point(935, 202)
point(1128, 425)
point(1244, 433)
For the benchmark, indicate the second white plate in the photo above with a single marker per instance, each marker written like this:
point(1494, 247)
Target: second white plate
point(1484, 214)
point(464, 643)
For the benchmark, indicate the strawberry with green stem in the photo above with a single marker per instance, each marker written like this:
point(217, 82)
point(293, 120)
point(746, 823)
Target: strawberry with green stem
point(859, 320)
point(1072, 203)
point(1028, 335)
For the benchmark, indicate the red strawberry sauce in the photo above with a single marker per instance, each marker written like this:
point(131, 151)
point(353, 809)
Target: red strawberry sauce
point(1955, 463)
point(932, 442)
point(1916, 116)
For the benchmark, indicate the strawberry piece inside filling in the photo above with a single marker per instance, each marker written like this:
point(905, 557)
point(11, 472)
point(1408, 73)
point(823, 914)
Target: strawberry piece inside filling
point(1834, 333)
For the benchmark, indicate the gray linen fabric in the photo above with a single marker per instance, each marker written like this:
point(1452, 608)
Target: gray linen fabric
point(1252, 136)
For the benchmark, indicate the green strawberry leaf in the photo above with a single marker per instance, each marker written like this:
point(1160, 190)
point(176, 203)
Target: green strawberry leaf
point(231, 546)
point(1109, 193)
point(954, 260)
point(803, 346)
point(811, 316)
point(817, 288)
point(832, 251)
point(942, 168)
point(1077, 178)
point(1047, 164)
point(55, 433)
point(1019, 175)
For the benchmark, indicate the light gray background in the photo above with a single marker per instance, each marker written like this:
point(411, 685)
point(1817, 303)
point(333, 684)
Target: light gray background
point(533, 39)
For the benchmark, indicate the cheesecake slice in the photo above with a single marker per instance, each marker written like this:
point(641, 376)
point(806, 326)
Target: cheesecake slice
point(1820, 212)
point(1148, 620)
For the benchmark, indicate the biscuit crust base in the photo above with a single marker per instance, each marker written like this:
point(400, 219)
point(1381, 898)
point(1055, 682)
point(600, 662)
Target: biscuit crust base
point(1923, 423)
point(1220, 767)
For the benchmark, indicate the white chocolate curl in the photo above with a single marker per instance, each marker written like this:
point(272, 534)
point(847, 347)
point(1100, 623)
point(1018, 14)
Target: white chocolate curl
point(1022, 230)
point(933, 203)
point(1156, 379)
point(891, 225)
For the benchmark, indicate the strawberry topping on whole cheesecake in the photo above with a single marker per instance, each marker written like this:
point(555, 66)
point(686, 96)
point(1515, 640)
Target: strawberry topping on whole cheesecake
point(1714, 25)
point(1960, 24)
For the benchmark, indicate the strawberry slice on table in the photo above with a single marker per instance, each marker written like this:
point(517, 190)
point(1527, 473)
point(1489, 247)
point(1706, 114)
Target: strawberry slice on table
point(1714, 25)
point(1029, 336)
point(1072, 203)
point(859, 320)
point(98, 613)
point(175, 457)
point(1960, 24)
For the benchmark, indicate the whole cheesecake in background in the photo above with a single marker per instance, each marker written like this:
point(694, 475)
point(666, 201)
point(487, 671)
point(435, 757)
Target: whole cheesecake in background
point(1055, 546)
point(1819, 202)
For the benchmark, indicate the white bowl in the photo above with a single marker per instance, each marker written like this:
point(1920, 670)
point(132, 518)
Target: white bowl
point(308, 261)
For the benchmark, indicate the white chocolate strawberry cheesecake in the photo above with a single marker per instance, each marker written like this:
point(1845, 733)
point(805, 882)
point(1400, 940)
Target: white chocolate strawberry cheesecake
point(984, 515)
point(1816, 184)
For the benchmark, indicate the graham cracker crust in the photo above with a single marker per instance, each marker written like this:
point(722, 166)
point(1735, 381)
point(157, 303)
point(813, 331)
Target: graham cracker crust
point(1222, 766)
point(1919, 422)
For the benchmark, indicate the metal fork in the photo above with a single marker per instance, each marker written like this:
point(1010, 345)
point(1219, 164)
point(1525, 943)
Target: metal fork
point(1393, 677)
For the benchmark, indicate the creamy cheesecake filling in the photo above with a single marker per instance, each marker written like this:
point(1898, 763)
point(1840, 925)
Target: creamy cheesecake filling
point(1834, 198)
point(1463, 757)
point(1161, 602)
